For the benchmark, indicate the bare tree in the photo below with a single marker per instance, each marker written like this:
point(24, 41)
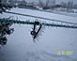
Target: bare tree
point(70, 5)
point(41, 4)
point(47, 3)
point(44, 5)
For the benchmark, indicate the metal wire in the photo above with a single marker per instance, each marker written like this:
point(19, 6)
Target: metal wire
point(32, 23)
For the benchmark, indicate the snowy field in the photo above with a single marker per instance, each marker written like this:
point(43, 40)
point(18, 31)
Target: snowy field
point(59, 11)
point(48, 46)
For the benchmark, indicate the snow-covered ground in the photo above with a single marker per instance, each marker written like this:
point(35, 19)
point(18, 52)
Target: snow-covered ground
point(62, 12)
point(50, 43)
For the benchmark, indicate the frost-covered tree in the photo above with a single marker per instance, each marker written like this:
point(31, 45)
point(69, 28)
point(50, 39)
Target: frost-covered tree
point(44, 4)
point(70, 5)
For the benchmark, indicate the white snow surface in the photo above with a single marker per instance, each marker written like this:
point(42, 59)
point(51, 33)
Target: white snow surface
point(20, 46)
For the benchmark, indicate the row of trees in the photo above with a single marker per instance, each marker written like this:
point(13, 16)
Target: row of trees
point(53, 4)
point(69, 5)
point(48, 4)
